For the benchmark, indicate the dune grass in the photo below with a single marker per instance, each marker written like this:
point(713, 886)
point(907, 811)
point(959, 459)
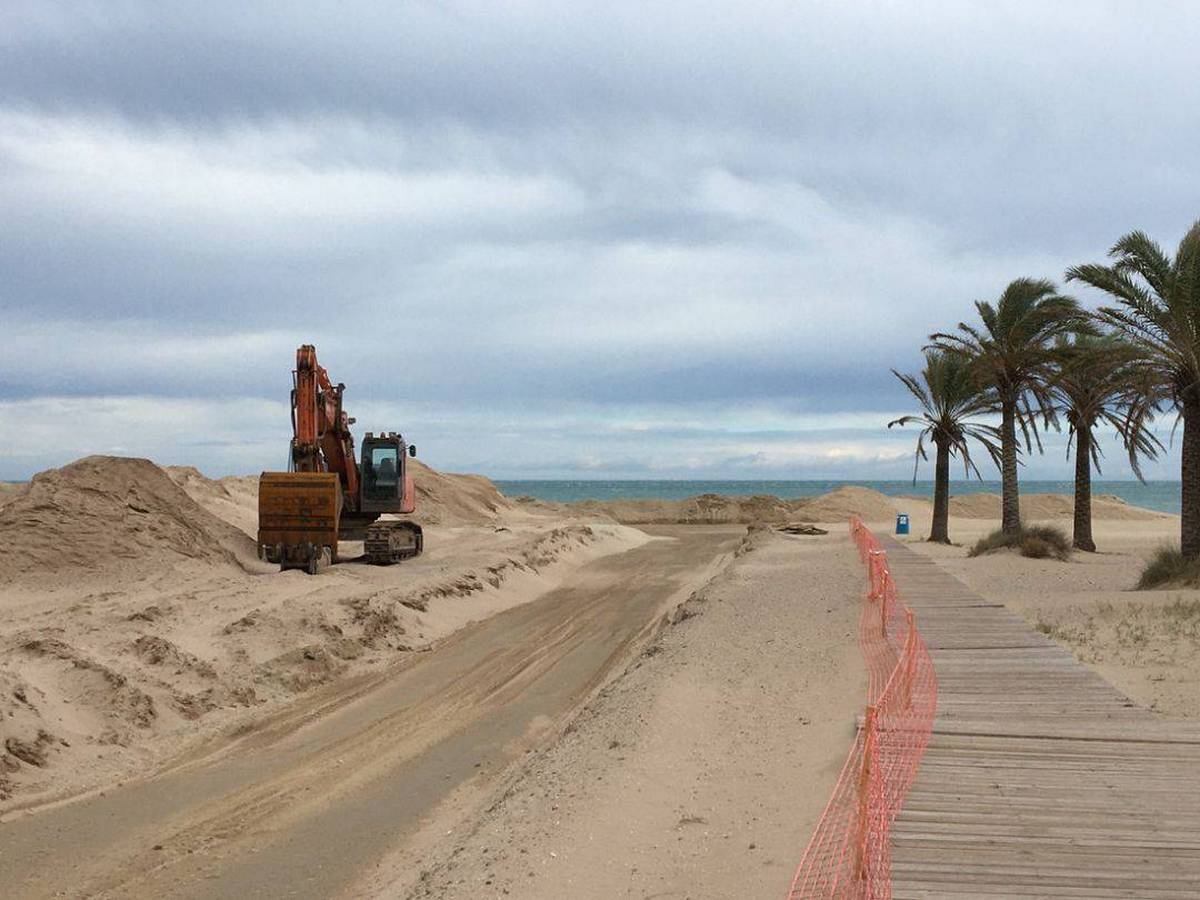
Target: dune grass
point(1035, 542)
point(1130, 627)
point(1167, 566)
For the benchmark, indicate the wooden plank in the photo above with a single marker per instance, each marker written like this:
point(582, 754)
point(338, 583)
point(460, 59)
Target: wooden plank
point(1040, 778)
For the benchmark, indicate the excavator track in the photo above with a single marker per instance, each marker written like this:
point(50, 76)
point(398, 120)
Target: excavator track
point(387, 543)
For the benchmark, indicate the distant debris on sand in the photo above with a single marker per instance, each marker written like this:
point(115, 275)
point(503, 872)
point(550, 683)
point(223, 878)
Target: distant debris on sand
point(801, 528)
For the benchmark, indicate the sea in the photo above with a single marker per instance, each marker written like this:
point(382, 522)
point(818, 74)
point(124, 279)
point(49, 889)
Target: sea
point(1158, 495)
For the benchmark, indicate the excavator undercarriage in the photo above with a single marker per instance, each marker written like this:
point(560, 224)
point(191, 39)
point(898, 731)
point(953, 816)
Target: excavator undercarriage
point(392, 542)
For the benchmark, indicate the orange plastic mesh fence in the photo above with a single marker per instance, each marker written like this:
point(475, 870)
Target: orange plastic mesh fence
point(849, 854)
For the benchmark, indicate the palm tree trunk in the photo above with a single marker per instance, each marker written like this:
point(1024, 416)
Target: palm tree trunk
point(1010, 503)
point(1083, 490)
point(941, 494)
point(1189, 530)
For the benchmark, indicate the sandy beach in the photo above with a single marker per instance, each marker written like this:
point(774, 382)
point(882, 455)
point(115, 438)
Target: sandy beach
point(704, 769)
point(138, 621)
point(595, 700)
point(460, 450)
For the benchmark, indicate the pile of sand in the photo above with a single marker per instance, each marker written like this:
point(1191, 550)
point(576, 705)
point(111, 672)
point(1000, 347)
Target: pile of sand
point(447, 499)
point(839, 505)
point(233, 499)
point(104, 512)
point(9, 491)
point(442, 498)
point(140, 618)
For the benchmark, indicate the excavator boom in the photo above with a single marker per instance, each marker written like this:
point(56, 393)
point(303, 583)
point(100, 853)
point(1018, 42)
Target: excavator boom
point(322, 440)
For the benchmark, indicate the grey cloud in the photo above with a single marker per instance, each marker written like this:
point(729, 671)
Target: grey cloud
point(524, 208)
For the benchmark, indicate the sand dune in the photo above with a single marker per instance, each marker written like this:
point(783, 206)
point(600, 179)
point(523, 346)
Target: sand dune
point(137, 619)
point(1049, 506)
point(101, 513)
point(233, 499)
point(442, 498)
point(9, 491)
point(839, 505)
point(701, 509)
point(836, 506)
point(138, 627)
point(1034, 507)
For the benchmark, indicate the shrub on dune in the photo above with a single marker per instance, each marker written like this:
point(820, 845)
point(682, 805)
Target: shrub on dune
point(1035, 542)
point(1168, 566)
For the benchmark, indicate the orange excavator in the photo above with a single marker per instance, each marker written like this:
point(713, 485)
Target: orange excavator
point(327, 496)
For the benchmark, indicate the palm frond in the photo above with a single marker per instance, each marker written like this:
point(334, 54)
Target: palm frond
point(1158, 311)
point(949, 396)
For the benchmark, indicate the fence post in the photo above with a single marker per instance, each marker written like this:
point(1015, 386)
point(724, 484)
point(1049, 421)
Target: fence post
point(864, 792)
point(884, 593)
point(910, 658)
point(877, 565)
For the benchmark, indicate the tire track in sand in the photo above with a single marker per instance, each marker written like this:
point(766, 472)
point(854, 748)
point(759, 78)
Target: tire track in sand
point(304, 812)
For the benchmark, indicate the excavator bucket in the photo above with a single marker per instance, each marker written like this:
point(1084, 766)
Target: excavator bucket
point(298, 516)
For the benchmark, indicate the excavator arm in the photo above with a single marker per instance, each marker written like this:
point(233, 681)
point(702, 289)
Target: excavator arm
point(321, 440)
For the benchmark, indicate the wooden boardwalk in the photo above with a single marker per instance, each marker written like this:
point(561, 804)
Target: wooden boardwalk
point(1040, 779)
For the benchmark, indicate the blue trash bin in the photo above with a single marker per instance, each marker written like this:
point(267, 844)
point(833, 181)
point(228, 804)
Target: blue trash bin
point(901, 523)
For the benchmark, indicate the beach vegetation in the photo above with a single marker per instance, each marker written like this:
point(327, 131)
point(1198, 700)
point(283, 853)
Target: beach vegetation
point(1168, 566)
point(950, 399)
point(1102, 380)
point(1158, 311)
point(1034, 541)
point(1012, 354)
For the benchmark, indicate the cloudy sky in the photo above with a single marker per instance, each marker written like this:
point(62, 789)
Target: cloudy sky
point(651, 239)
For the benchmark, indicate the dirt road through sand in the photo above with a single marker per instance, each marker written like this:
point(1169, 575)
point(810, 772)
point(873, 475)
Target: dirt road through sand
point(306, 802)
point(700, 773)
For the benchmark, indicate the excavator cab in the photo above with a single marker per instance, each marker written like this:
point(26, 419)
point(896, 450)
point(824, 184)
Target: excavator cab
point(387, 485)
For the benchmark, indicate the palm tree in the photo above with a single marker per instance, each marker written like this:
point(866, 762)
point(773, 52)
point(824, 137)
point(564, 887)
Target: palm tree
point(949, 397)
point(1013, 355)
point(1159, 313)
point(1102, 380)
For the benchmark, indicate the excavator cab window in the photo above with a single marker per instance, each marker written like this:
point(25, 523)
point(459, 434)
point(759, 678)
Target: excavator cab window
point(382, 472)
